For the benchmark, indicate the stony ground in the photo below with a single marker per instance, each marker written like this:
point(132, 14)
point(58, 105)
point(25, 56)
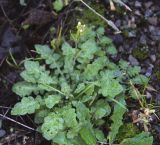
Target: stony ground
point(139, 43)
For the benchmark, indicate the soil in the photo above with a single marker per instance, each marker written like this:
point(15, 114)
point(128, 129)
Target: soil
point(139, 43)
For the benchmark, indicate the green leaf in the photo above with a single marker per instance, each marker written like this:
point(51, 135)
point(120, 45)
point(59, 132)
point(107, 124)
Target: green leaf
point(101, 109)
point(24, 88)
point(52, 100)
point(100, 31)
point(99, 135)
point(140, 139)
point(140, 80)
point(39, 116)
point(110, 87)
point(92, 70)
point(51, 58)
point(87, 136)
point(79, 88)
point(83, 113)
point(117, 118)
point(133, 71)
point(123, 64)
point(35, 73)
point(69, 116)
point(68, 53)
point(53, 124)
point(43, 50)
point(58, 5)
point(88, 49)
point(60, 138)
point(28, 105)
point(127, 130)
point(65, 87)
point(111, 50)
point(104, 41)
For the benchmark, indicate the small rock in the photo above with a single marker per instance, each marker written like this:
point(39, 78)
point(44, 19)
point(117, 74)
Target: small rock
point(148, 13)
point(118, 39)
point(158, 99)
point(143, 39)
point(148, 4)
point(138, 4)
point(148, 95)
point(132, 34)
point(149, 72)
point(2, 132)
point(133, 60)
point(138, 13)
point(153, 20)
point(153, 57)
point(121, 49)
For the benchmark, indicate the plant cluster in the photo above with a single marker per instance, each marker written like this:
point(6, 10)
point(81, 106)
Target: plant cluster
point(76, 90)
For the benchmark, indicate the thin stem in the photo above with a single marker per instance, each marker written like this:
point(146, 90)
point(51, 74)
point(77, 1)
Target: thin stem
point(54, 89)
point(120, 104)
point(10, 119)
point(109, 22)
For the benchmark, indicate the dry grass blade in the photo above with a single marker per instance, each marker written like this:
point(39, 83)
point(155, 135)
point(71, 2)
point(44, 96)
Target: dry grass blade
point(123, 4)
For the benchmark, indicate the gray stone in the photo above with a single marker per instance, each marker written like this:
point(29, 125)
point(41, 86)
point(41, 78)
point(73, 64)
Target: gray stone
point(133, 60)
point(153, 57)
point(2, 132)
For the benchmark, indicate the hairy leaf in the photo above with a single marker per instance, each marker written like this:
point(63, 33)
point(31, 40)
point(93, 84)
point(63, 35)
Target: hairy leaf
point(117, 118)
point(141, 139)
point(52, 125)
point(68, 53)
point(110, 87)
point(87, 136)
point(101, 109)
point(24, 88)
point(28, 105)
point(52, 100)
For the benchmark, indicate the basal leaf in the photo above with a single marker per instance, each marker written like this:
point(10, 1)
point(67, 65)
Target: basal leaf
point(40, 115)
point(28, 105)
point(24, 88)
point(111, 50)
point(101, 109)
point(68, 53)
point(140, 80)
point(53, 124)
point(87, 136)
point(117, 118)
point(92, 69)
point(52, 100)
point(141, 139)
point(88, 49)
point(110, 88)
point(43, 50)
point(69, 115)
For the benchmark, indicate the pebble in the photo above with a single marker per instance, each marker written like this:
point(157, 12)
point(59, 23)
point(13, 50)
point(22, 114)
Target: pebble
point(153, 57)
point(153, 20)
point(133, 60)
point(148, 95)
point(138, 4)
point(148, 4)
point(148, 13)
point(143, 39)
point(149, 71)
point(2, 132)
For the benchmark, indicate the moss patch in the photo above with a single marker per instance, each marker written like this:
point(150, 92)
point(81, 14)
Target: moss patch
point(140, 53)
point(127, 131)
point(158, 75)
point(89, 17)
